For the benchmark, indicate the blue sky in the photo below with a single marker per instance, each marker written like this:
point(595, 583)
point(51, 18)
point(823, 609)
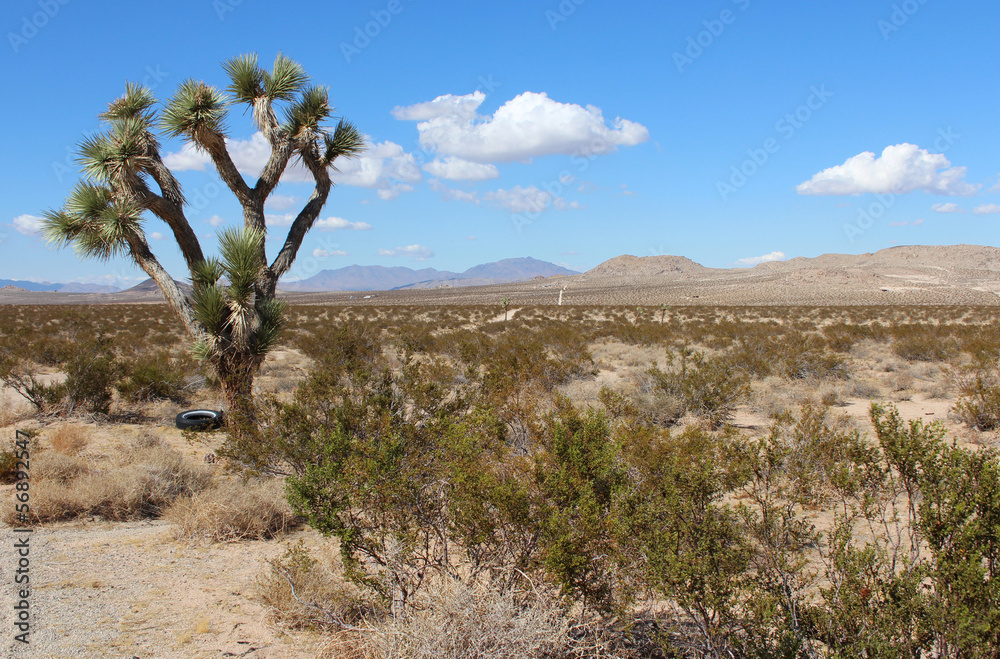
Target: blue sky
point(728, 131)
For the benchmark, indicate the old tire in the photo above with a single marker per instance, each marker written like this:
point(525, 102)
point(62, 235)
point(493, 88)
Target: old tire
point(199, 419)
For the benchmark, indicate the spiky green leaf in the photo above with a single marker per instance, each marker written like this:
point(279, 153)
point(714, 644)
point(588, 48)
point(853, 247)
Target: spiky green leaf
point(346, 142)
point(285, 80)
point(303, 119)
point(207, 272)
point(194, 107)
point(246, 76)
point(134, 103)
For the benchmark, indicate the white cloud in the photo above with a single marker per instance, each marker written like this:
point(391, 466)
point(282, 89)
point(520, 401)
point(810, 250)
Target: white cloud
point(188, 158)
point(950, 207)
point(337, 223)
point(417, 252)
point(456, 169)
point(156, 235)
point(527, 126)
point(917, 223)
point(470, 237)
point(284, 220)
point(755, 260)
point(28, 225)
point(451, 194)
point(521, 200)
point(216, 221)
point(323, 253)
point(625, 191)
point(390, 193)
point(986, 209)
point(901, 168)
point(281, 202)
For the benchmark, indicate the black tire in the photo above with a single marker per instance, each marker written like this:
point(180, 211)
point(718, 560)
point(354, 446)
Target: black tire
point(199, 419)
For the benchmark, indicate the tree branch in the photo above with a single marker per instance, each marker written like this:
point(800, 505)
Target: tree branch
point(215, 144)
point(146, 260)
point(303, 222)
point(173, 215)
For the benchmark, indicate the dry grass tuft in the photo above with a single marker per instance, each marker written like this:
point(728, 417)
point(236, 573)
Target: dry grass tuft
point(457, 621)
point(232, 510)
point(69, 439)
point(322, 599)
point(140, 483)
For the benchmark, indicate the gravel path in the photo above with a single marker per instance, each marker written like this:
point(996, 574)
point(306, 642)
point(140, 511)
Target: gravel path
point(109, 590)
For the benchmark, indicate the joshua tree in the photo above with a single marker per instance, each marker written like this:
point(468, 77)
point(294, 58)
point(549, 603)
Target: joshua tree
point(663, 311)
point(504, 303)
point(127, 181)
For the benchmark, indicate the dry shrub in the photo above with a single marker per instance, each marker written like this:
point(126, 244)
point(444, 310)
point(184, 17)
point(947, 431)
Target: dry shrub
point(11, 414)
point(459, 621)
point(140, 483)
point(322, 599)
point(69, 439)
point(233, 510)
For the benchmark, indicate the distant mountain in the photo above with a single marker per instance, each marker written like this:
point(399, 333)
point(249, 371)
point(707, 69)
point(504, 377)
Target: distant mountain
point(30, 285)
point(646, 266)
point(72, 287)
point(380, 278)
point(149, 287)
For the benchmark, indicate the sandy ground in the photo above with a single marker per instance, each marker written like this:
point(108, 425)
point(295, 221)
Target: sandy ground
point(128, 589)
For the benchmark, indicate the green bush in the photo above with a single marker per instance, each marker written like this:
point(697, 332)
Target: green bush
point(156, 376)
point(707, 387)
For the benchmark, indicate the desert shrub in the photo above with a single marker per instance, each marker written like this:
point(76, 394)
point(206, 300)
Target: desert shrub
point(579, 476)
point(459, 621)
point(139, 483)
point(8, 465)
point(91, 375)
point(69, 439)
point(808, 356)
point(706, 386)
point(978, 404)
point(917, 342)
point(232, 510)
point(305, 592)
point(155, 376)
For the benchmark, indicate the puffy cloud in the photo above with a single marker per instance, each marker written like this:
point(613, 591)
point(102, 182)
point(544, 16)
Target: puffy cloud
point(456, 169)
point(323, 253)
point(755, 260)
point(901, 168)
point(156, 235)
point(417, 252)
point(950, 207)
point(217, 221)
point(284, 220)
point(521, 200)
point(451, 194)
point(525, 127)
point(188, 158)
point(338, 223)
point(986, 209)
point(281, 202)
point(28, 225)
point(390, 193)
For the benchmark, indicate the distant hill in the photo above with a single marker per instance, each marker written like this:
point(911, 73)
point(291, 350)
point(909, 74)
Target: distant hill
point(381, 278)
point(149, 287)
point(72, 287)
point(30, 285)
point(647, 266)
